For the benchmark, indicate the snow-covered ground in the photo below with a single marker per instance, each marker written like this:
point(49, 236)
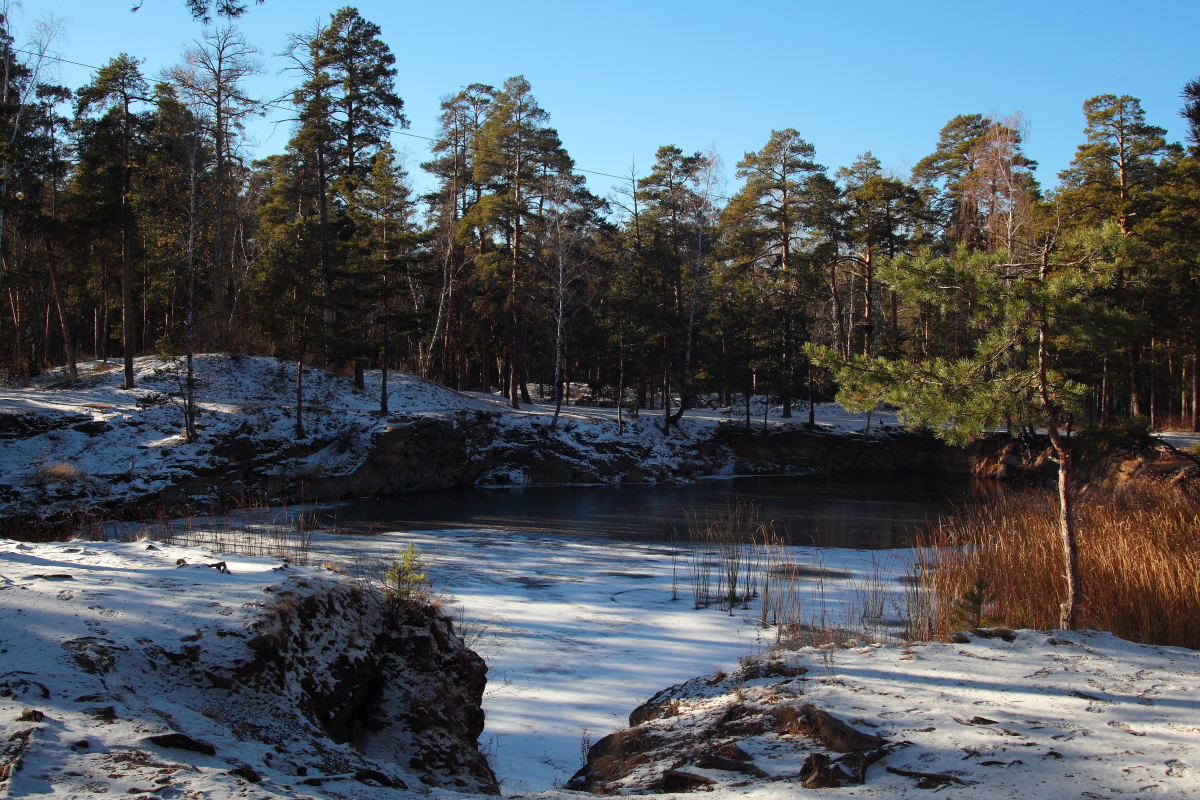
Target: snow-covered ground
point(577, 632)
point(100, 649)
point(116, 444)
point(1181, 439)
point(1045, 716)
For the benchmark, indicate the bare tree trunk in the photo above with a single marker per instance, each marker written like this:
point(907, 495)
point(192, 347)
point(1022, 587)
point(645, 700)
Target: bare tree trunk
point(300, 387)
point(1196, 370)
point(384, 354)
point(63, 320)
point(127, 268)
point(485, 367)
point(326, 267)
point(621, 378)
point(1135, 389)
point(1069, 610)
point(749, 394)
point(1150, 401)
point(869, 294)
point(787, 368)
point(189, 415)
point(1105, 391)
point(559, 318)
point(812, 403)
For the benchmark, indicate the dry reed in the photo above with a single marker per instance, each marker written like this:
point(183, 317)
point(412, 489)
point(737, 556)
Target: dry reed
point(1139, 560)
point(251, 528)
point(723, 548)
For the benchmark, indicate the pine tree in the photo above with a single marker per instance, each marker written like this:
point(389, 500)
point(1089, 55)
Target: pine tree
point(348, 108)
point(767, 218)
point(1031, 317)
point(514, 148)
point(116, 87)
point(882, 213)
point(946, 173)
point(1112, 175)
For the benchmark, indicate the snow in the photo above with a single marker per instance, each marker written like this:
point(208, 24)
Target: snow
point(134, 447)
point(1181, 439)
point(123, 446)
point(576, 631)
point(579, 631)
point(89, 635)
point(1044, 716)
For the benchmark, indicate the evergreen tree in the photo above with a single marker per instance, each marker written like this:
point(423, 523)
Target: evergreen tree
point(946, 173)
point(882, 214)
point(767, 217)
point(1112, 175)
point(1031, 316)
point(114, 90)
point(514, 149)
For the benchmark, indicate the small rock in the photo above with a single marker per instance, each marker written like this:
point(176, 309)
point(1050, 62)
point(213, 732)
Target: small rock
point(818, 772)
point(674, 780)
point(364, 775)
point(182, 741)
point(246, 773)
point(30, 715)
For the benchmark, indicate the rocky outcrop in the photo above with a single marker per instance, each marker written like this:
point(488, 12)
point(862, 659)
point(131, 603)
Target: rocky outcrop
point(393, 681)
point(535, 454)
point(413, 453)
point(816, 450)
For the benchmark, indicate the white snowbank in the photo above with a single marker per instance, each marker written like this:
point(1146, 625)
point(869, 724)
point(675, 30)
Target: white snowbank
point(577, 632)
point(88, 636)
point(1044, 716)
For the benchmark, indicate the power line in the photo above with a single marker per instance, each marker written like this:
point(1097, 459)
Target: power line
point(283, 108)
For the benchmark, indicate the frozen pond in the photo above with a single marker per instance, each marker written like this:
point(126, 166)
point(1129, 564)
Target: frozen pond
point(568, 591)
point(580, 600)
point(579, 630)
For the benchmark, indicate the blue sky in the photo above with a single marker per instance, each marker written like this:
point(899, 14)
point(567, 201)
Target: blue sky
point(621, 78)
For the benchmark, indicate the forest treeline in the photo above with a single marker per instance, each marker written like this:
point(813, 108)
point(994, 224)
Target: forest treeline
point(132, 222)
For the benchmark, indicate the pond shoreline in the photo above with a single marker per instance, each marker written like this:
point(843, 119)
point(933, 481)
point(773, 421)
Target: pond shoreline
point(81, 450)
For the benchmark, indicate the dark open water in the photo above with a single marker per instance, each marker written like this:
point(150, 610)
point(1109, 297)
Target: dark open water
point(869, 512)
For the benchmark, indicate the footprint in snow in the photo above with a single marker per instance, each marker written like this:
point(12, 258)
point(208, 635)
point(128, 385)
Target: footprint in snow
point(1124, 726)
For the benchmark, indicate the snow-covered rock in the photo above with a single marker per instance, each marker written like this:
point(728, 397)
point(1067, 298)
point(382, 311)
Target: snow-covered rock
point(1027, 714)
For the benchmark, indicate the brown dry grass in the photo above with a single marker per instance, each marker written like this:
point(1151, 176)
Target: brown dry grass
point(58, 472)
point(1139, 560)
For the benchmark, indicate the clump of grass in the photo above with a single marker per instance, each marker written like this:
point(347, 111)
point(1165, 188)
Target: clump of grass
point(251, 528)
point(57, 472)
point(724, 558)
point(1139, 562)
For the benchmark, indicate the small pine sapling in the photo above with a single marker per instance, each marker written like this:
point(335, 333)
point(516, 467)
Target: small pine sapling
point(969, 610)
point(405, 582)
